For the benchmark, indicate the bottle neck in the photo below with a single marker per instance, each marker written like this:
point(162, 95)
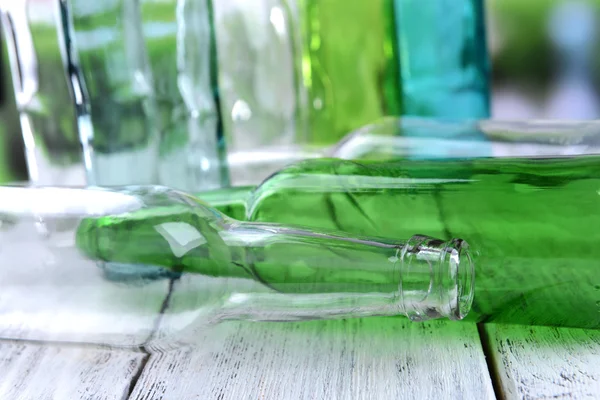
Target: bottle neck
point(300, 273)
point(317, 274)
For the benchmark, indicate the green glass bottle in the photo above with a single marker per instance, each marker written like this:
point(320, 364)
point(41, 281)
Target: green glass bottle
point(60, 237)
point(534, 222)
point(399, 139)
point(181, 53)
point(349, 64)
point(362, 60)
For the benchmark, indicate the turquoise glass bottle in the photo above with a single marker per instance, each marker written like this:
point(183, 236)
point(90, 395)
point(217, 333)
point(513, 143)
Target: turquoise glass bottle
point(444, 65)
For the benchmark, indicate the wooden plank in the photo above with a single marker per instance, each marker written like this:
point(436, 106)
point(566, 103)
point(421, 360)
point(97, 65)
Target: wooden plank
point(544, 362)
point(49, 292)
point(371, 358)
point(42, 371)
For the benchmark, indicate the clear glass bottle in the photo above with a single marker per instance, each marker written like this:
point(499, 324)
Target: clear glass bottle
point(180, 40)
point(263, 101)
point(442, 138)
point(226, 269)
point(107, 60)
point(33, 31)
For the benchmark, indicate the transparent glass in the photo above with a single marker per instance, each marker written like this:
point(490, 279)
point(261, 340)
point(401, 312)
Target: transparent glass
point(436, 138)
point(32, 30)
point(117, 92)
point(252, 166)
point(180, 40)
point(349, 64)
point(260, 84)
point(55, 244)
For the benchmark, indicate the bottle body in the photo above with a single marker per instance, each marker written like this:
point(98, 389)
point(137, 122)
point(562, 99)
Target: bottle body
point(443, 138)
point(112, 81)
point(397, 139)
point(76, 251)
point(533, 222)
point(181, 52)
point(349, 63)
point(445, 72)
point(41, 90)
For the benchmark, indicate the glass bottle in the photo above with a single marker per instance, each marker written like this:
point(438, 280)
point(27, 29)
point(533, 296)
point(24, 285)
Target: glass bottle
point(533, 221)
point(110, 75)
point(259, 77)
point(396, 139)
point(33, 31)
point(180, 40)
point(349, 65)
point(60, 238)
point(444, 64)
point(442, 138)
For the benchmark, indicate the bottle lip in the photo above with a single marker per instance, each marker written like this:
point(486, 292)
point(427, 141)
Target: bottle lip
point(451, 272)
point(457, 256)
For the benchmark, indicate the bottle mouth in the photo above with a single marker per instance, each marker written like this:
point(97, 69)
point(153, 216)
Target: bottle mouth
point(437, 279)
point(457, 257)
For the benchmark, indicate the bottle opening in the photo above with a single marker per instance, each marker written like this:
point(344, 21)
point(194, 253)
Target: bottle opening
point(458, 258)
point(437, 279)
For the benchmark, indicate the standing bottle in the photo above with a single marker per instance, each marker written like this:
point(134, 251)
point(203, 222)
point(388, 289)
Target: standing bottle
point(349, 65)
point(60, 238)
point(444, 63)
point(180, 41)
point(34, 33)
point(108, 69)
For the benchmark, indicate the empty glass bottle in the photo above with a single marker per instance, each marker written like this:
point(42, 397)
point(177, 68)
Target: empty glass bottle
point(349, 65)
point(33, 31)
point(534, 222)
point(60, 239)
point(444, 65)
point(109, 71)
point(532, 219)
point(397, 139)
point(442, 138)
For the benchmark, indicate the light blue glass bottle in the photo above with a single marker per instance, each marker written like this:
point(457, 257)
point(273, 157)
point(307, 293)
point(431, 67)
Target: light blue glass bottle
point(444, 66)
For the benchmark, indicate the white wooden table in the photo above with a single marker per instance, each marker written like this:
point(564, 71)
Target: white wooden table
point(372, 358)
point(380, 358)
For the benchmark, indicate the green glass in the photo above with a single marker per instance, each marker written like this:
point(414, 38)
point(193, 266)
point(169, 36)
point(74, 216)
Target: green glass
point(349, 65)
point(533, 221)
point(229, 201)
point(181, 51)
point(399, 139)
point(61, 239)
point(6, 173)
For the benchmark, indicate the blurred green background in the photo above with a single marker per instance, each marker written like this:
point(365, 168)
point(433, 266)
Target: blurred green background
point(533, 75)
